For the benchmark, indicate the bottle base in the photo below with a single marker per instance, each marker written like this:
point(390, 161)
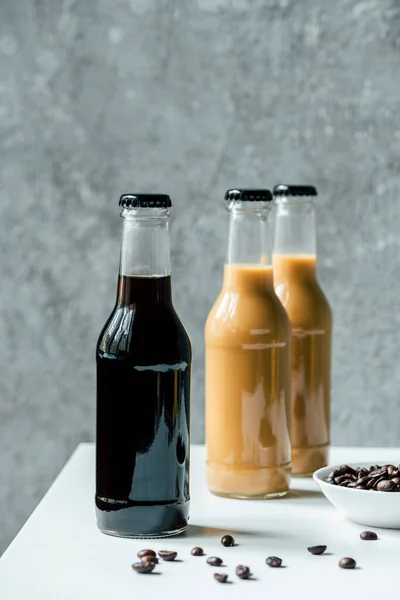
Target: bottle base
point(142, 521)
point(307, 460)
point(248, 483)
point(142, 536)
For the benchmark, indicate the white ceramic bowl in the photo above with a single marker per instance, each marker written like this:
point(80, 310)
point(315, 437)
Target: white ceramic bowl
point(367, 507)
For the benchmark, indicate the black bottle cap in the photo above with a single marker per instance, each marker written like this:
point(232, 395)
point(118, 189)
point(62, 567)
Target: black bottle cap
point(294, 190)
point(248, 195)
point(145, 201)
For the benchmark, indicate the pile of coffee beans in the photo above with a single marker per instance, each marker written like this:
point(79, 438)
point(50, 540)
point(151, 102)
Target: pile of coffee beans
point(379, 478)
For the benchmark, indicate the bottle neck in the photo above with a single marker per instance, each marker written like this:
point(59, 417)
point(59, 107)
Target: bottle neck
point(248, 266)
point(249, 234)
point(295, 227)
point(145, 267)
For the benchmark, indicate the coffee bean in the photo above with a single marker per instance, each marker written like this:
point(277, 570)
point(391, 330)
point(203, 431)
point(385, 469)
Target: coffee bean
point(396, 480)
point(385, 485)
point(243, 572)
point(382, 472)
point(274, 561)
point(167, 555)
point(347, 469)
point(143, 553)
point(214, 561)
point(347, 563)
point(227, 540)
point(363, 481)
point(221, 577)
point(377, 480)
point(370, 484)
point(335, 473)
point(317, 549)
point(368, 535)
point(344, 479)
point(197, 551)
point(145, 566)
point(390, 470)
point(347, 483)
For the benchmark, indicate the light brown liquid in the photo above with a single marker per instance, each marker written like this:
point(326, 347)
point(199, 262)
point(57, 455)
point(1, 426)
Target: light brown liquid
point(248, 387)
point(310, 315)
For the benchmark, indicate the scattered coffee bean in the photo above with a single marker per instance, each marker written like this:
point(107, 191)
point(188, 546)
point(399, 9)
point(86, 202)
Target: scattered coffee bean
point(143, 553)
point(167, 555)
point(317, 549)
point(227, 540)
point(384, 478)
point(221, 577)
point(274, 561)
point(197, 551)
point(214, 561)
point(368, 535)
point(243, 572)
point(385, 485)
point(145, 566)
point(347, 563)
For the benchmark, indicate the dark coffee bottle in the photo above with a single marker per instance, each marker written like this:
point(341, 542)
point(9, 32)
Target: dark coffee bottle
point(143, 387)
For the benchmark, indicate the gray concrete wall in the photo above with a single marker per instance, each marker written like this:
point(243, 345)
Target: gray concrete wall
point(190, 97)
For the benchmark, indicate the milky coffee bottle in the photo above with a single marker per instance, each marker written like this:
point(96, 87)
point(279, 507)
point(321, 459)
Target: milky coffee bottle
point(248, 339)
point(296, 284)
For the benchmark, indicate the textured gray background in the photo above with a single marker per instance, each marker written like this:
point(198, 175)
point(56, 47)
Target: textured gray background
point(99, 97)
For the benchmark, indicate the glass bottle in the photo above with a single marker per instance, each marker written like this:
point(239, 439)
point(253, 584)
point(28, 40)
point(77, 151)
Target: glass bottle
point(143, 386)
point(248, 338)
point(296, 284)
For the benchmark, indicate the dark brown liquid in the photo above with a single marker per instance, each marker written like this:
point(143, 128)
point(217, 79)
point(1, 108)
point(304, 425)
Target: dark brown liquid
point(143, 391)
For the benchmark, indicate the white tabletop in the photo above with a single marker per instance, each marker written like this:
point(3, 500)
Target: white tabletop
point(60, 555)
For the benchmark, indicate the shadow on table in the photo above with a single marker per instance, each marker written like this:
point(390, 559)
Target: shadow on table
point(204, 531)
point(308, 494)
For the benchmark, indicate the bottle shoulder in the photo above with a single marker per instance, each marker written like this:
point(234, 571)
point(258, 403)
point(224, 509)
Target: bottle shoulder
point(306, 304)
point(239, 314)
point(130, 332)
